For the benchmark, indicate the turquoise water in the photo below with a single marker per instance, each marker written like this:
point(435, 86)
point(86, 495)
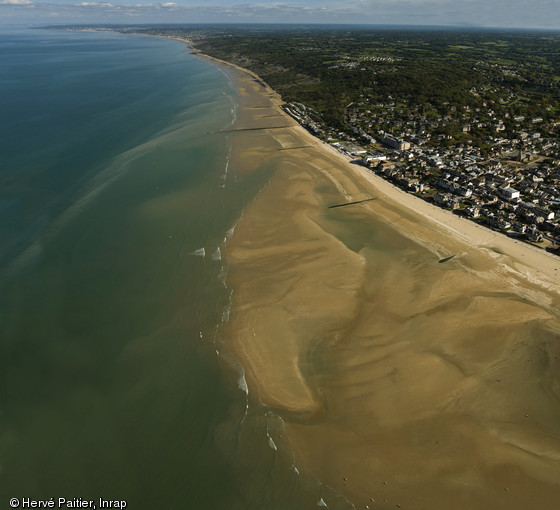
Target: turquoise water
point(116, 199)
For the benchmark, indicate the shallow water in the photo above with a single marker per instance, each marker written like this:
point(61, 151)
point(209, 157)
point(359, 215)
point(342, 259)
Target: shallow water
point(116, 199)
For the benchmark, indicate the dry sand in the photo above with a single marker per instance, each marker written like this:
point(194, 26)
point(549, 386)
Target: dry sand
point(402, 381)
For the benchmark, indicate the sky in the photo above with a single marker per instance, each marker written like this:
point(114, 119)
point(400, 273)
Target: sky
point(483, 13)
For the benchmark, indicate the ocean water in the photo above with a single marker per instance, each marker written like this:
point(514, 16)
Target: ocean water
point(116, 200)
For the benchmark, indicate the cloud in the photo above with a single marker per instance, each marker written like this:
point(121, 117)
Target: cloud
point(16, 2)
point(94, 4)
point(490, 13)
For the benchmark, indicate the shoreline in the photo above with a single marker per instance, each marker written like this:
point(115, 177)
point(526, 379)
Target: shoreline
point(401, 380)
point(477, 235)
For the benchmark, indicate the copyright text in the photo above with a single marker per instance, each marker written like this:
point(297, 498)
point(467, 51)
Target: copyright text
point(67, 503)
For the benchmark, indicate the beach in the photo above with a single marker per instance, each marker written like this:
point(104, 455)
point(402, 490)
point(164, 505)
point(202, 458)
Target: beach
point(186, 321)
point(403, 381)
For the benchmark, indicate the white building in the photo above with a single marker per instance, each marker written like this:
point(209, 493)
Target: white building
point(370, 159)
point(509, 193)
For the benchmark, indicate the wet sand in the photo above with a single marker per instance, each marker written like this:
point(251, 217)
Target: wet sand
point(403, 381)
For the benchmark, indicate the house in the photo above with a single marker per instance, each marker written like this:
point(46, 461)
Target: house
point(531, 210)
point(473, 212)
point(454, 187)
point(519, 227)
point(441, 199)
point(498, 223)
point(534, 235)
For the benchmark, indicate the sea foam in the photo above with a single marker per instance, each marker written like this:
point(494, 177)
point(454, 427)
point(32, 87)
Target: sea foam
point(201, 252)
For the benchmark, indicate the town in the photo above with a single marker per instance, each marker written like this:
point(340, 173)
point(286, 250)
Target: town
point(513, 188)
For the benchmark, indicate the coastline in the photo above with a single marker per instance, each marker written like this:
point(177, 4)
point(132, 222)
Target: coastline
point(474, 234)
point(536, 259)
point(402, 381)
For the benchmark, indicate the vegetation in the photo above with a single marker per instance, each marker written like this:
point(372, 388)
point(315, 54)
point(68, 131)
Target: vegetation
point(427, 73)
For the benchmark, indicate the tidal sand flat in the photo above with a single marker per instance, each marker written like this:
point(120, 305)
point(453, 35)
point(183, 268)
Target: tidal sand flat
point(414, 357)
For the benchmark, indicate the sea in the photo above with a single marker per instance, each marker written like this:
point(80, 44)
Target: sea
point(117, 197)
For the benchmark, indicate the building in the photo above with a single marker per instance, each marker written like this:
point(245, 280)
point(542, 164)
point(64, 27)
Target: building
point(441, 199)
point(509, 194)
point(498, 223)
point(454, 187)
point(371, 159)
point(473, 212)
point(531, 210)
point(395, 143)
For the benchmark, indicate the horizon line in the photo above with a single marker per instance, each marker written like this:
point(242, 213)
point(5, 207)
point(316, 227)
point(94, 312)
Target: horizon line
point(290, 24)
